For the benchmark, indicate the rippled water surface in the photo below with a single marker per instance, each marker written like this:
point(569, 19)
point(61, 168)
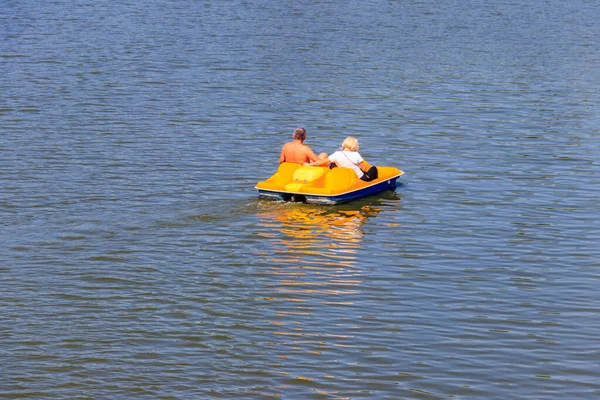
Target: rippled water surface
point(136, 260)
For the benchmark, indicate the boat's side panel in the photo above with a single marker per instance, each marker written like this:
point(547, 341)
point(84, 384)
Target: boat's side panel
point(389, 184)
point(274, 195)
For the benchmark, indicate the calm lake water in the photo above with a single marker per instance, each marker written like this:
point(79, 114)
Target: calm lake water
point(137, 262)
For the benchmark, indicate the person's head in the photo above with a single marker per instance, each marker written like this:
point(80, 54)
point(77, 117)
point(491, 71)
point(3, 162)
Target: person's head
point(300, 134)
point(350, 144)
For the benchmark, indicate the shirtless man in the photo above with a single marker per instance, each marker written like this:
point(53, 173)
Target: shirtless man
point(297, 152)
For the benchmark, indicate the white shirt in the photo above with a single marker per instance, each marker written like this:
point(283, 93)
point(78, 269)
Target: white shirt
point(348, 159)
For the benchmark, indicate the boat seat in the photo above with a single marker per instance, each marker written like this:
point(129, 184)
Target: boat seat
point(278, 180)
point(340, 178)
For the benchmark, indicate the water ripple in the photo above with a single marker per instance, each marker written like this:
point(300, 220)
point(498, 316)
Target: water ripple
point(137, 261)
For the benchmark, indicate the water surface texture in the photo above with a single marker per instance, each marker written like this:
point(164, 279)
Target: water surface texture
point(137, 262)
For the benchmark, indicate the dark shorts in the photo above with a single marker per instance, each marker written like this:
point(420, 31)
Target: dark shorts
point(370, 174)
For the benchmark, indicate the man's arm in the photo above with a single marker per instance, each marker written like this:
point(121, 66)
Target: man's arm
point(318, 162)
point(282, 156)
point(310, 154)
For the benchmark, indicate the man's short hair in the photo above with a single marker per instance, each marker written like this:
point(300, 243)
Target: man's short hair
point(300, 134)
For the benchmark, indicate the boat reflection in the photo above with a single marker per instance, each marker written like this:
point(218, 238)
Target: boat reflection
point(315, 249)
point(308, 235)
point(314, 285)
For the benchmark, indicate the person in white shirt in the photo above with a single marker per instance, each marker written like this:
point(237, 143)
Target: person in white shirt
point(349, 157)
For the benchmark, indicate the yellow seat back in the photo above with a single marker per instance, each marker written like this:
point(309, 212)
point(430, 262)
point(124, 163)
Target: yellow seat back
point(284, 173)
point(340, 178)
point(287, 169)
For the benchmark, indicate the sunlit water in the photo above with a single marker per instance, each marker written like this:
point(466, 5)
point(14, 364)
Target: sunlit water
point(137, 261)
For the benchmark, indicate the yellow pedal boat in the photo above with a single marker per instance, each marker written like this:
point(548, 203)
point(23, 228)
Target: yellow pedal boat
point(321, 185)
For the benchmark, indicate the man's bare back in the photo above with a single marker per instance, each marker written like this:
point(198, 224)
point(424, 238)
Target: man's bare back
point(296, 151)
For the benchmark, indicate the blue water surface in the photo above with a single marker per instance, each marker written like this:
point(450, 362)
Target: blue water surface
point(136, 260)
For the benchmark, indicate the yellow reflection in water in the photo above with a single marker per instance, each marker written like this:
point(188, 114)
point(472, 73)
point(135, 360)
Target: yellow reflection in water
point(315, 250)
point(315, 296)
point(309, 234)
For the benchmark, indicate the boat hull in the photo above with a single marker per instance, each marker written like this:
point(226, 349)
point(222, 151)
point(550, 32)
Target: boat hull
point(379, 187)
point(282, 186)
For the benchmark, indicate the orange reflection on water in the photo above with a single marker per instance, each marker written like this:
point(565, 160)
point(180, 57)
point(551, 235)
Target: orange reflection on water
point(316, 236)
point(313, 254)
point(315, 249)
